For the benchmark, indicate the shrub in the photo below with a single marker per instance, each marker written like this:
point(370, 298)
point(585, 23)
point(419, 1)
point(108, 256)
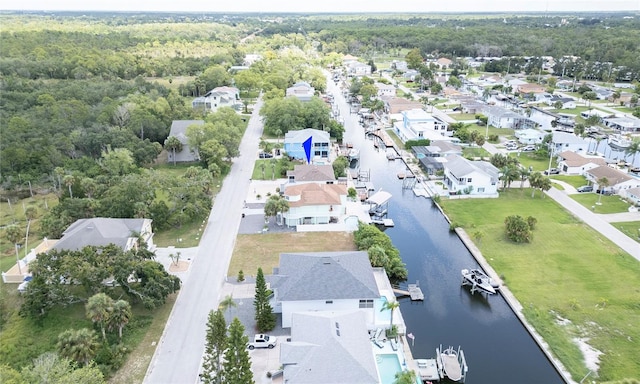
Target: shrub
point(517, 229)
point(240, 276)
point(532, 221)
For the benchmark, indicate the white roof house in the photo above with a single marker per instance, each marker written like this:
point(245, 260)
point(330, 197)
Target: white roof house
point(357, 68)
point(572, 163)
point(179, 130)
point(302, 90)
point(530, 136)
point(385, 89)
point(623, 124)
point(328, 348)
point(218, 97)
point(325, 281)
point(563, 141)
point(473, 178)
point(503, 118)
point(416, 123)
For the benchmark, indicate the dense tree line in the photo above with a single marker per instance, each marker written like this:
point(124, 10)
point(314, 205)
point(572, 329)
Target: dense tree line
point(382, 253)
point(610, 38)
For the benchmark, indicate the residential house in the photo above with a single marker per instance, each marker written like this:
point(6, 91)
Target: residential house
point(320, 143)
point(437, 148)
point(618, 181)
point(474, 178)
point(444, 63)
point(399, 65)
point(594, 112)
point(98, 231)
point(395, 105)
point(623, 99)
point(302, 90)
point(564, 141)
point(385, 89)
point(410, 75)
point(330, 281)
point(218, 97)
point(310, 173)
point(357, 68)
point(313, 203)
point(530, 136)
point(631, 194)
point(602, 93)
point(179, 130)
point(348, 59)
point(528, 88)
point(251, 58)
point(330, 348)
point(623, 124)
point(503, 118)
point(416, 123)
point(567, 102)
point(572, 163)
point(101, 231)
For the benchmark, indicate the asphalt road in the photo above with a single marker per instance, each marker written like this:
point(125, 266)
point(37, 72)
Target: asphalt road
point(179, 353)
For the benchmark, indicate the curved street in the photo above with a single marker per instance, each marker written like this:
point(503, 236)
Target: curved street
point(178, 356)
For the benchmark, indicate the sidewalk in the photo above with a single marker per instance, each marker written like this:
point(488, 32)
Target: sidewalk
point(596, 222)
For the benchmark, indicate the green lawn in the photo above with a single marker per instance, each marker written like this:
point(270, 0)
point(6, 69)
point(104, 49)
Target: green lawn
point(629, 228)
point(395, 138)
point(475, 152)
point(269, 169)
point(463, 116)
point(506, 132)
point(575, 181)
point(609, 204)
point(568, 270)
point(530, 159)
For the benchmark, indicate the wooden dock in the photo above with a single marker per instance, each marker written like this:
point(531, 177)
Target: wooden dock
point(413, 291)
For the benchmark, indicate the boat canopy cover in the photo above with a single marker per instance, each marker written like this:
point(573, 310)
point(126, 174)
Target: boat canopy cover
point(379, 198)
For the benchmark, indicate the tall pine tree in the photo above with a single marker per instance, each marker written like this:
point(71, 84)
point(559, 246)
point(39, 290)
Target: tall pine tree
point(265, 318)
point(216, 344)
point(237, 366)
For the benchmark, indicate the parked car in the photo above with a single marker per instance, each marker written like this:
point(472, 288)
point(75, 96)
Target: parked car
point(264, 155)
point(585, 188)
point(552, 171)
point(263, 341)
point(511, 147)
point(529, 148)
point(604, 192)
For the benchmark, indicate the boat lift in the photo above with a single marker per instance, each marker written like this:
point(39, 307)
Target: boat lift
point(379, 207)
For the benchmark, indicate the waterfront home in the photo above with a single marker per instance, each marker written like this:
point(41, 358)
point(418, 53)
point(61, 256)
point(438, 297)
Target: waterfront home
point(572, 163)
point(311, 173)
point(320, 143)
point(617, 180)
point(623, 124)
point(563, 141)
point(312, 203)
point(504, 118)
point(416, 122)
point(530, 136)
point(332, 281)
point(472, 178)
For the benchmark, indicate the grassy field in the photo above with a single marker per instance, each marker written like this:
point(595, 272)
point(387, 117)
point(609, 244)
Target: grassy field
point(253, 251)
point(395, 138)
point(529, 159)
point(269, 173)
point(506, 132)
point(629, 228)
point(586, 279)
point(463, 116)
point(608, 204)
point(475, 152)
point(575, 181)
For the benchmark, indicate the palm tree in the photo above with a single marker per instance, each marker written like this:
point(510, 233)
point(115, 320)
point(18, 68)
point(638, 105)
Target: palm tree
point(535, 180)
point(225, 304)
point(120, 315)
point(276, 204)
point(633, 149)
point(69, 180)
point(99, 308)
point(78, 345)
point(14, 235)
point(509, 174)
point(603, 183)
point(173, 144)
point(544, 185)
point(524, 175)
point(391, 306)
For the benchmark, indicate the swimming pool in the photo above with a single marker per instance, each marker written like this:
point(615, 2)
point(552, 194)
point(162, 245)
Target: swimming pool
point(388, 366)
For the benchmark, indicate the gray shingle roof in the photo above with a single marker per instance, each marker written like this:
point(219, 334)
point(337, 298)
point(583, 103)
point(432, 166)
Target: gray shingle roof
point(99, 231)
point(302, 135)
point(325, 276)
point(311, 172)
point(317, 354)
point(459, 166)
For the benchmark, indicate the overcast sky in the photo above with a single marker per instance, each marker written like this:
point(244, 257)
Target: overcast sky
point(420, 6)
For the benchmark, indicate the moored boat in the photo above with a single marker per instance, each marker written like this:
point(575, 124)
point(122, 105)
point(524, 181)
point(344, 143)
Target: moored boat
point(478, 281)
point(451, 364)
point(619, 141)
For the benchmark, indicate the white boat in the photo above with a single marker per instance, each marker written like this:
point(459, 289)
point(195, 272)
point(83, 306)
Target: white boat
point(451, 363)
point(354, 154)
point(619, 141)
point(478, 281)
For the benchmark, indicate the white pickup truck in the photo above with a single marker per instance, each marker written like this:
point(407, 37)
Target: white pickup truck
point(262, 341)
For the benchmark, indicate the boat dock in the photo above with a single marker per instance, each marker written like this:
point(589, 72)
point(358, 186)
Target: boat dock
point(413, 291)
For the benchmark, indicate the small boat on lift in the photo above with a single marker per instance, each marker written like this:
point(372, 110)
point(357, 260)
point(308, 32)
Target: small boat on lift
point(451, 364)
point(478, 281)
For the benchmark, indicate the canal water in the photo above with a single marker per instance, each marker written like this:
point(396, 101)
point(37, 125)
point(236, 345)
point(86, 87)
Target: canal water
point(497, 347)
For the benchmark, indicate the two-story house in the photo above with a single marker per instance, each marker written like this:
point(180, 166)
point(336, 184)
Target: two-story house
point(474, 178)
point(218, 97)
point(416, 123)
point(301, 90)
point(313, 203)
point(320, 143)
point(179, 131)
